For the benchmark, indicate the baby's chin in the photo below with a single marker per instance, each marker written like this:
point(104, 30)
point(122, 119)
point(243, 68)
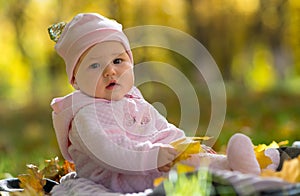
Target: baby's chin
point(113, 96)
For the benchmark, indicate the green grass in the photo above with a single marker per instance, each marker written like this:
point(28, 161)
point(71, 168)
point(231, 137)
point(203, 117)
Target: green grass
point(15, 163)
point(198, 184)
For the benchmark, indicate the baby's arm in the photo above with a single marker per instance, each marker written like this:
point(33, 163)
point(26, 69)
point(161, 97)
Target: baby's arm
point(114, 150)
point(166, 155)
point(167, 132)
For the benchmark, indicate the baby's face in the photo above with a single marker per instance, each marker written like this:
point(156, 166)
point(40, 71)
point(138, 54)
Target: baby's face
point(105, 71)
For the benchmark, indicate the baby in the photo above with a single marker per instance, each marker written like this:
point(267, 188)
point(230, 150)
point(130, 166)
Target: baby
point(114, 136)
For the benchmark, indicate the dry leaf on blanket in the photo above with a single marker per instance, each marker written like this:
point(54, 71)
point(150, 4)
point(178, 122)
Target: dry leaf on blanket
point(52, 168)
point(259, 150)
point(67, 167)
point(290, 171)
point(33, 180)
point(54, 171)
point(186, 147)
point(180, 169)
point(203, 138)
point(262, 159)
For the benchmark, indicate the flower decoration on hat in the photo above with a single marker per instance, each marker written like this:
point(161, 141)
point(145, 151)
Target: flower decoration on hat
point(55, 30)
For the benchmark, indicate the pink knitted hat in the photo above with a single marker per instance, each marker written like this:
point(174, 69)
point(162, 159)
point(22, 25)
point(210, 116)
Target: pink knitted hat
point(84, 31)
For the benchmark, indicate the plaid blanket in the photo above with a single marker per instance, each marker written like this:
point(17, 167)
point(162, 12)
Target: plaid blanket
point(223, 183)
point(234, 183)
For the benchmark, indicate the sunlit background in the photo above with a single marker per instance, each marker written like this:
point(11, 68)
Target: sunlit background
point(255, 43)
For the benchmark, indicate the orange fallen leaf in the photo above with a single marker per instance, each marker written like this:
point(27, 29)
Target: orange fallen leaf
point(203, 138)
point(33, 180)
point(186, 147)
point(52, 168)
point(68, 167)
point(290, 171)
point(54, 171)
point(259, 151)
point(158, 181)
point(180, 169)
point(262, 159)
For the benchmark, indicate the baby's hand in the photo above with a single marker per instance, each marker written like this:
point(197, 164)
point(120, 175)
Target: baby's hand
point(165, 158)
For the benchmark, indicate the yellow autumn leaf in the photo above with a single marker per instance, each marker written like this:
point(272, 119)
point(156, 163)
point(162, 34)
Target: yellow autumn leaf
point(182, 168)
point(52, 168)
point(33, 180)
point(186, 147)
point(283, 143)
point(259, 150)
point(189, 146)
point(177, 142)
point(68, 167)
point(204, 138)
point(290, 171)
point(277, 145)
point(54, 171)
point(262, 159)
point(158, 181)
point(273, 144)
point(189, 139)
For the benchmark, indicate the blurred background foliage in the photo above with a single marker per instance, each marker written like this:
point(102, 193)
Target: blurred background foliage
point(255, 43)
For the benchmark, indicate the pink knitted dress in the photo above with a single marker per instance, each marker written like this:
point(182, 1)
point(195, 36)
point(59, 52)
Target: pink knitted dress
point(112, 143)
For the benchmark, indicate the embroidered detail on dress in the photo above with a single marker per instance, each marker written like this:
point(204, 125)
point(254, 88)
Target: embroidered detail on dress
point(145, 120)
point(129, 120)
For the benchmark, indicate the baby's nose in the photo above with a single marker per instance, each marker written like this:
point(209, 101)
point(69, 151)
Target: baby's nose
point(109, 70)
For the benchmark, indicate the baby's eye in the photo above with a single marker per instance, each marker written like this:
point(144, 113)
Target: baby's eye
point(117, 61)
point(94, 65)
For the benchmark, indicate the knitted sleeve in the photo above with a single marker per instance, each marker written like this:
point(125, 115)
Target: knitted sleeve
point(167, 131)
point(111, 148)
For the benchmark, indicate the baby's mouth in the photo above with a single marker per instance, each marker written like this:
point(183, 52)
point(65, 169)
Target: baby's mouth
point(111, 85)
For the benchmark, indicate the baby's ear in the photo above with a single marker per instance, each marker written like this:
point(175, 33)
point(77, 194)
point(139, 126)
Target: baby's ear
point(75, 85)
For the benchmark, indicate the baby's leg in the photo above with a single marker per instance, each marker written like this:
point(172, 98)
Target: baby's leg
point(241, 156)
point(213, 161)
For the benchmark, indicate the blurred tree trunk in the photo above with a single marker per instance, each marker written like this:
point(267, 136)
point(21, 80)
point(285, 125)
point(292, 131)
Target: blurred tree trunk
point(16, 13)
point(213, 36)
point(269, 29)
